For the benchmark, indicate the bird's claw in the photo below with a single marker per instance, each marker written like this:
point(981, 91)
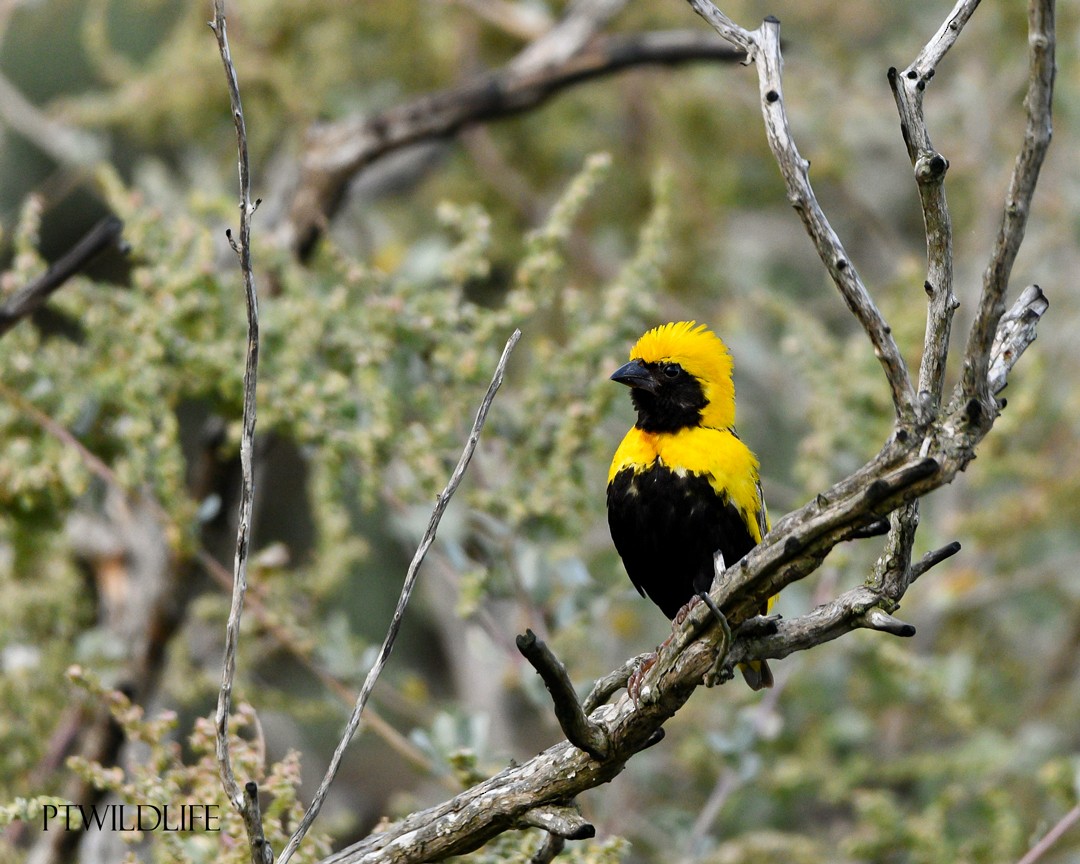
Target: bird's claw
point(633, 683)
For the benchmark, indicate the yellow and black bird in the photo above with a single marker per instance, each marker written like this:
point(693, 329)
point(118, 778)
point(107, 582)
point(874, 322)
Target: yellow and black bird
point(682, 486)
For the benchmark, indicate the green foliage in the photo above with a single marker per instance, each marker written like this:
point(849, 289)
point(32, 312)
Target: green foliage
point(164, 777)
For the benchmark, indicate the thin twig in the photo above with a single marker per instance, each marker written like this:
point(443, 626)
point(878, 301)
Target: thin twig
point(241, 802)
point(1052, 836)
point(938, 46)
point(406, 590)
point(32, 296)
point(933, 558)
point(728, 29)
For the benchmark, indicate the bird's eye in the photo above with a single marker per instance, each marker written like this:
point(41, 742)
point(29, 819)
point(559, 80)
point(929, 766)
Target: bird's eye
point(672, 370)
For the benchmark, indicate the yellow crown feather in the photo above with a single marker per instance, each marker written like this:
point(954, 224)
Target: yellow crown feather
point(701, 353)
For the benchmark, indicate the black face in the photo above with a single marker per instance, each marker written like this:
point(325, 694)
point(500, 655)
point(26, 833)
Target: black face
point(666, 396)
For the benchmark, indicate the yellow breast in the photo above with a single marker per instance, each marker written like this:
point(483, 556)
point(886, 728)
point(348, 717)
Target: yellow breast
point(717, 454)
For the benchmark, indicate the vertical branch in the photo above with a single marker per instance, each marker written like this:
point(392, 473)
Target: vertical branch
point(763, 48)
point(892, 572)
point(399, 611)
point(1040, 92)
point(795, 170)
point(246, 802)
point(908, 88)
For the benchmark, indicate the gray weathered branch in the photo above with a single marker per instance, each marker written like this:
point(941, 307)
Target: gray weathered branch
point(1038, 103)
point(908, 88)
point(246, 802)
point(568, 711)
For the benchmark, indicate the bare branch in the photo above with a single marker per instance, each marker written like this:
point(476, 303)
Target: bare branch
point(763, 48)
point(930, 167)
point(28, 299)
point(855, 609)
point(892, 572)
point(399, 611)
point(575, 725)
point(246, 805)
point(935, 50)
point(1052, 836)
point(1038, 103)
point(336, 152)
point(933, 558)
point(1016, 330)
point(564, 822)
point(877, 619)
point(728, 29)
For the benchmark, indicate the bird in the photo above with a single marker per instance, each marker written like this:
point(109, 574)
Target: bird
point(682, 486)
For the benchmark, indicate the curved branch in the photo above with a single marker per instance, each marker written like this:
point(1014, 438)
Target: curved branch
point(1039, 105)
point(575, 724)
point(336, 152)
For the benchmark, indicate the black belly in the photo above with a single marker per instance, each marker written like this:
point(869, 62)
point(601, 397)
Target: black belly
point(667, 528)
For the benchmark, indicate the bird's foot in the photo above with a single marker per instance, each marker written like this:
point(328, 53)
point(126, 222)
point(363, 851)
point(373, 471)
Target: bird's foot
point(684, 611)
point(633, 683)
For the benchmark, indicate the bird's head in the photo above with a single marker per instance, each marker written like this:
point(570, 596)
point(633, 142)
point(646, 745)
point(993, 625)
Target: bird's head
point(680, 376)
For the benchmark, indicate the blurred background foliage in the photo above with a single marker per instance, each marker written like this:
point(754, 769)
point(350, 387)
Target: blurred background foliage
point(640, 198)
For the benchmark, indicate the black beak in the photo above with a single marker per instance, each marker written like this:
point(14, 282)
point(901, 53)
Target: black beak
point(636, 374)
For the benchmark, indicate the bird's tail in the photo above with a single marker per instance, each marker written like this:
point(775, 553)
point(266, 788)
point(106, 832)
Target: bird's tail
point(757, 674)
